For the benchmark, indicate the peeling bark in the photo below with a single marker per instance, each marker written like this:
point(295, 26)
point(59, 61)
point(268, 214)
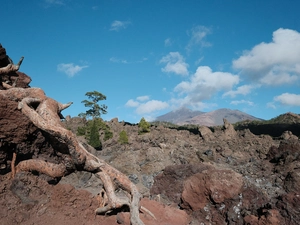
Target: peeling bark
point(45, 113)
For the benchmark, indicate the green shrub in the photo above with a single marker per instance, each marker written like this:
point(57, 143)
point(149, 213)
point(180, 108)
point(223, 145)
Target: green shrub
point(144, 126)
point(123, 138)
point(107, 135)
point(91, 132)
point(94, 139)
point(81, 131)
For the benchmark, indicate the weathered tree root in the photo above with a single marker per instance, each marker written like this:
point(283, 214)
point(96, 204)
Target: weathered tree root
point(13, 165)
point(50, 169)
point(44, 113)
point(11, 67)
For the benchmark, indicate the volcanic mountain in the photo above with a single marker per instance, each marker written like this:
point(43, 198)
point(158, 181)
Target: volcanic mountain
point(214, 118)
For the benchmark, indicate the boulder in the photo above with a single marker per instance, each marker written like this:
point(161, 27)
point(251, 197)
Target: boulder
point(216, 185)
point(205, 133)
point(169, 184)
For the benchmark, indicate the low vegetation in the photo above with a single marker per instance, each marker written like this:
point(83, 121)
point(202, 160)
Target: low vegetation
point(144, 126)
point(123, 138)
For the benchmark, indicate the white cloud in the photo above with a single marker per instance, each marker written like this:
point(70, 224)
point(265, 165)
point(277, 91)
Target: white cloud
point(242, 102)
point(242, 90)
point(199, 60)
point(198, 34)
point(143, 98)
point(143, 106)
point(274, 63)
point(151, 106)
point(168, 42)
point(271, 105)
point(205, 83)
point(116, 60)
point(69, 68)
point(118, 25)
point(124, 61)
point(175, 64)
point(275, 77)
point(288, 99)
point(187, 102)
point(132, 103)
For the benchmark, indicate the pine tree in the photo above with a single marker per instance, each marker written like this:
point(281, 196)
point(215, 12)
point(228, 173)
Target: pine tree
point(123, 138)
point(94, 138)
point(144, 126)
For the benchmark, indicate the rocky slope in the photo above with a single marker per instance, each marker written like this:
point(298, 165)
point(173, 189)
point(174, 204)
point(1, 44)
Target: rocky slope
point(216, 176)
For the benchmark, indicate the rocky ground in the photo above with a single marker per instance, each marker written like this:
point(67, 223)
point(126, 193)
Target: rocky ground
point(217, 176)
point(208, 176)
point(199, 176)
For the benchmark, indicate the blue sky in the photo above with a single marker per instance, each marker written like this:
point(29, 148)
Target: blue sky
point(151, 57)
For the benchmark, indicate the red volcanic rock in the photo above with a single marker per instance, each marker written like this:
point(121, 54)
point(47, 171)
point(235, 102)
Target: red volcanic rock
point(18, 134)
point(4, 60)
point(292, 181)
point(14, 125)
point(169, 184)
point(163, 214)
point(215, 185)
point(288, 206)
point(287, 152)
point(23, 80)
point(271, 217)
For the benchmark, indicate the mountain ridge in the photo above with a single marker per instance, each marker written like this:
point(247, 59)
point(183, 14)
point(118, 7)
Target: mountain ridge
point(184, 116)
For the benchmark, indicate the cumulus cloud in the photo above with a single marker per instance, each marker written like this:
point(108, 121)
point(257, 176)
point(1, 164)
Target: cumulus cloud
point(69, 68)
point(143, 106)
point(175, 64)
point(143, 98)
point(274, 63)
point(151, 106)
point(198, 34)
point(205, 83)
point(132, 103)
point(288, 99)
point(242, 90)
point(119, 25)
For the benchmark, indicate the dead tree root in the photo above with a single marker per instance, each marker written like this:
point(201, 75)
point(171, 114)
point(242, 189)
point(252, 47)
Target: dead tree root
point(50, 169)
point(13, 165)
point(44, 113)
point(11, 67)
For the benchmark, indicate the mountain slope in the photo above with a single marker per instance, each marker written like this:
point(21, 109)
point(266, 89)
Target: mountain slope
point(179, 115)
point(213, 118)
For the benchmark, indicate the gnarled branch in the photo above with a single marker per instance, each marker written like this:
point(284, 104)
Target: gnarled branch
point(11, 67)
